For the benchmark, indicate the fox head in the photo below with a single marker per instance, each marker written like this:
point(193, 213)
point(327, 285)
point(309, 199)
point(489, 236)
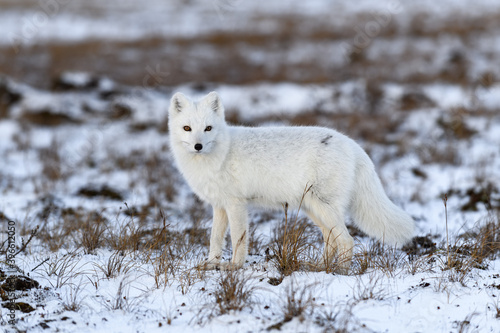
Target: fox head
point(196, 127)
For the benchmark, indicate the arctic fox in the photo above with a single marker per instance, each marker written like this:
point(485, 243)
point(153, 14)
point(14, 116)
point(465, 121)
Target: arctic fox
point(320, 169)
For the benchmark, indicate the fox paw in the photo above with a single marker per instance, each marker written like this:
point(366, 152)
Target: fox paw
point(337, 268)
point(219, 266)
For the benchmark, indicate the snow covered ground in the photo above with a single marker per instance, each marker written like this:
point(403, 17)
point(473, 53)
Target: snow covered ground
point(85, 164)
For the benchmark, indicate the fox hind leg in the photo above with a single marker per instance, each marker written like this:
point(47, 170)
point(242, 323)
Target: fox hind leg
point(335, 234)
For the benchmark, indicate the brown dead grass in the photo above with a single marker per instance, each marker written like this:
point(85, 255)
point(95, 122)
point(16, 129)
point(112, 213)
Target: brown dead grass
point(292, 246)
point(233, 292)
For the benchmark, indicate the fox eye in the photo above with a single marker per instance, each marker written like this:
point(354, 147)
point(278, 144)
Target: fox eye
point(187, 128)
point(208, 128)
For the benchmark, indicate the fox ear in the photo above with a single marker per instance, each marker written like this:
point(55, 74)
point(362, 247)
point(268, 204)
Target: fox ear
point(178, 102)
point(214, 102)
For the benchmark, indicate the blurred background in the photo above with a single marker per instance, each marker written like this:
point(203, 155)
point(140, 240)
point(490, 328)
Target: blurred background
point(242, 42)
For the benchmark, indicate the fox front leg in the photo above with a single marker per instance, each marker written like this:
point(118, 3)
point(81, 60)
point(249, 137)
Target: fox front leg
point(238, 223)
point(219, 227)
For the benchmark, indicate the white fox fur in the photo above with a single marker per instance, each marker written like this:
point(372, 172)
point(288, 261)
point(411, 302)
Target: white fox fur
point(231, 167)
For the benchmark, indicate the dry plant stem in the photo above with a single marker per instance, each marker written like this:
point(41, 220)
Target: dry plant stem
point(445, 201)
point(297, 303)
point(40, 264)
point(290, 242)
point(25, 244)
point(63, 269)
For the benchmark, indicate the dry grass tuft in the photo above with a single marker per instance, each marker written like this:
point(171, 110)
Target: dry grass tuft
point(292, 245)
point(62, 270)
point(234, 292)
point(475, 248)
point(73, 301)
point(122, 300)
point(118, 263)
point(92, 232)
point(371, 289)
point(298, 302)
point(380, 257)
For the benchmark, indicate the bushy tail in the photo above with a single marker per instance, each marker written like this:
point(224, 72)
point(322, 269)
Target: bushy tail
point(374, 213)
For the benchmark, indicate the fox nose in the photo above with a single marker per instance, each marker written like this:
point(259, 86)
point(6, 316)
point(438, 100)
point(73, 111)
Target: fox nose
point(198, 146)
